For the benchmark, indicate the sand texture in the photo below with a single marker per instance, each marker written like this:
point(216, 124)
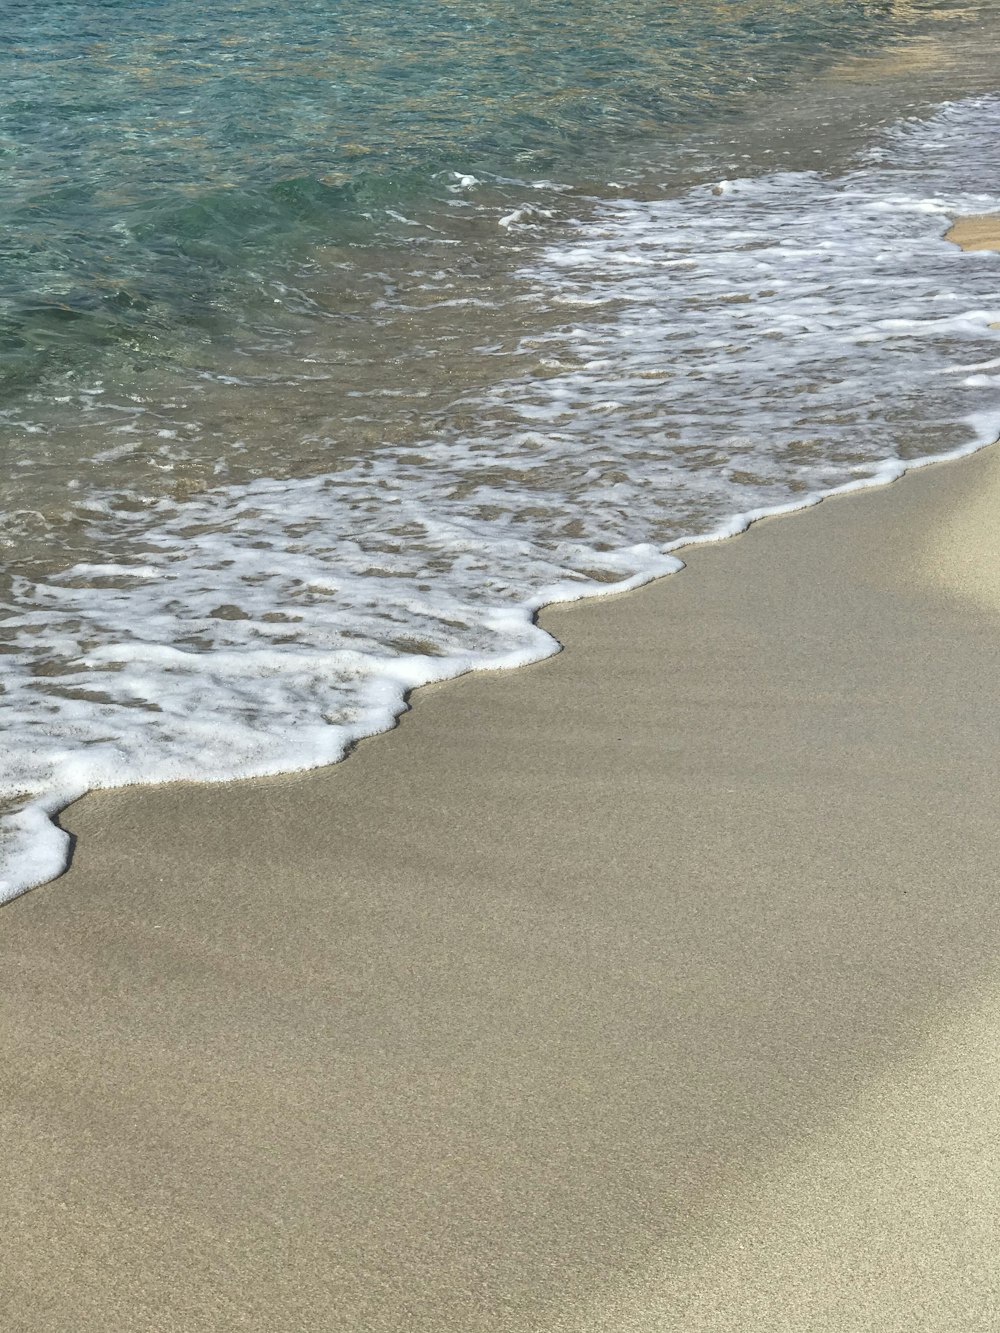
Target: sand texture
point(655, 987)
point(980, 231)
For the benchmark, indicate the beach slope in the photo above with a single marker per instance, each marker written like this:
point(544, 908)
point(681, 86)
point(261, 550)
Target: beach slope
point(655, 987)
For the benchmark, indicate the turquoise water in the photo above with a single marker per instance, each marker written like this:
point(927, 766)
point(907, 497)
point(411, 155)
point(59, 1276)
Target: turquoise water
point(163, 160)
point(336, 339)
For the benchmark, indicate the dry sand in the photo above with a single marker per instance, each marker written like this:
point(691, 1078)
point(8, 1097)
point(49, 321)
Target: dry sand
point(656, 987)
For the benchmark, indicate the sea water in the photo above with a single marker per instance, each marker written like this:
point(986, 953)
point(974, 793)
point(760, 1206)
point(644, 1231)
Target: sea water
point(338, 338)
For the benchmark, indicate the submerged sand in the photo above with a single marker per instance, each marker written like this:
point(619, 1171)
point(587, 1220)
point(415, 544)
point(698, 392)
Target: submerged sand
point(656, 987)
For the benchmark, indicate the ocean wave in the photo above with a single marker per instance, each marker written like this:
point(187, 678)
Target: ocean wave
point(745, 348)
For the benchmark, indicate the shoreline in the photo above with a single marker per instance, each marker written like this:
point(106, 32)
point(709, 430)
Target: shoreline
point(627, 990)
point(53, 847)
point(105, 751)
point(56, 847)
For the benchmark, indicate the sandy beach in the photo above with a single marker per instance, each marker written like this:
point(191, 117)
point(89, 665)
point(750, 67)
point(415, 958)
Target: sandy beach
point(654, 987)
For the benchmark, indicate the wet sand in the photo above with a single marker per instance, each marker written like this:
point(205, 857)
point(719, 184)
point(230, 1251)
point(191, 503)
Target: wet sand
point(979, 231)
point(655, 987)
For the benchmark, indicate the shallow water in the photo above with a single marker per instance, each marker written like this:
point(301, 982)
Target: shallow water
point(163, 161)
point(336, 346)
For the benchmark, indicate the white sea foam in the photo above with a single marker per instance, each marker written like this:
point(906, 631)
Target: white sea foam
point(743, 350)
